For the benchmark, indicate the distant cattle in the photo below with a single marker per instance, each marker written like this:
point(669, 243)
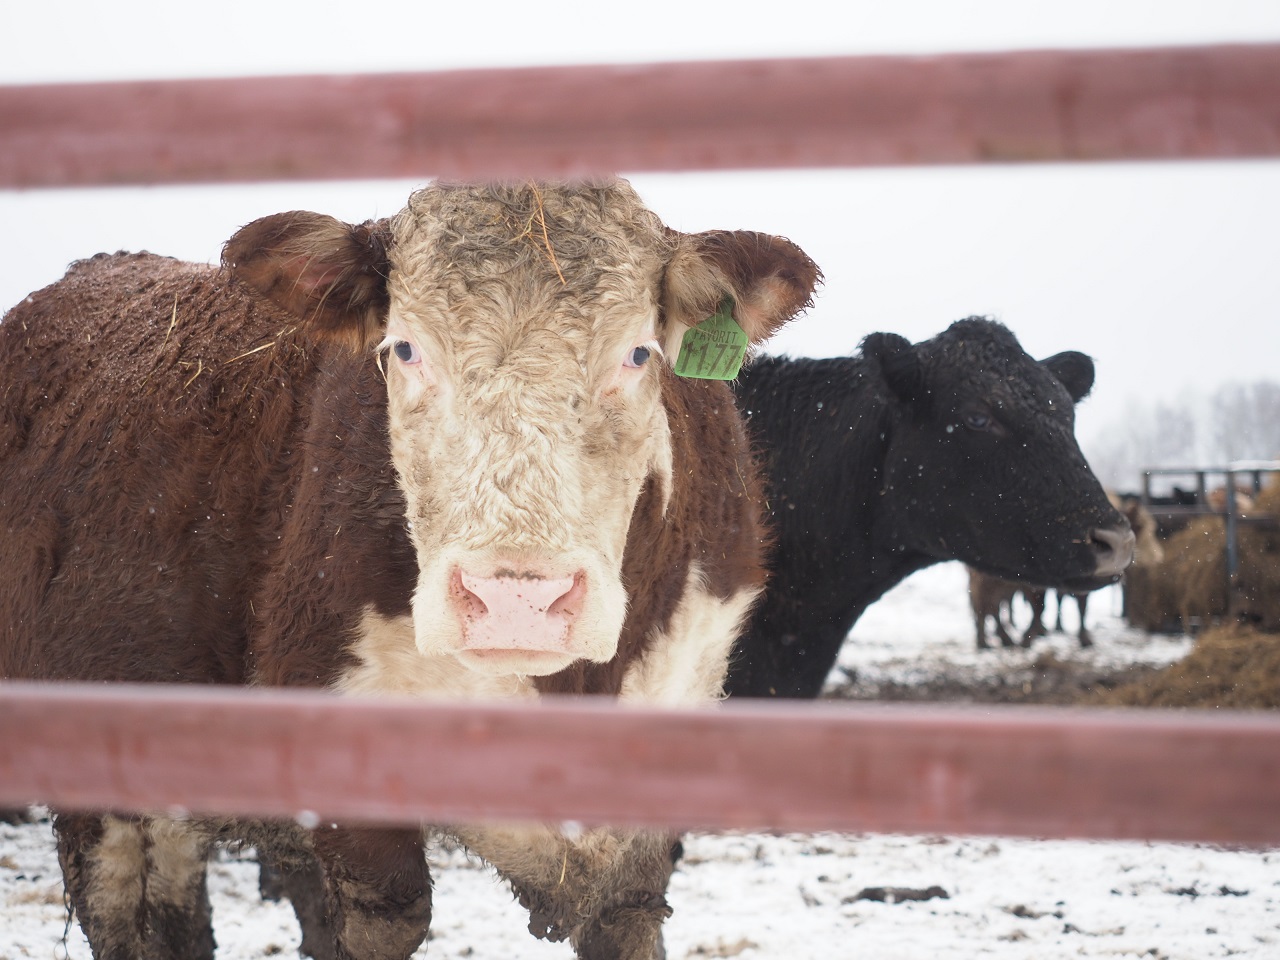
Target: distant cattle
point(1171, 510)
point(1242, 499)
point(1147, 552)
point(442, 455)
point(991, 598)
point(1177, 497)
point(958, 448)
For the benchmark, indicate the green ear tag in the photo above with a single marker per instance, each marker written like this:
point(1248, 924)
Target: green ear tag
point(715, 348)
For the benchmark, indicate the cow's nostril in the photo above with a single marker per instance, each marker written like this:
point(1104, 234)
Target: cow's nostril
point(569, 603)
point(1113, 547)
point(468, 601)
point(529, 592)
point(518, 610)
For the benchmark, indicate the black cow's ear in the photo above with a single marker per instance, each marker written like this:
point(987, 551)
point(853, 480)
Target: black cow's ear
point(898, 362)
point(329, 274)
point(1074, 371)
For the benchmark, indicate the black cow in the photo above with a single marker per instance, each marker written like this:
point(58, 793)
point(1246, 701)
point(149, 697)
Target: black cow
point(957, 448)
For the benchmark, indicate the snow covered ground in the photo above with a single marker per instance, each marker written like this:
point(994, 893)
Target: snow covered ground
point(923, 630)
point(756, 896)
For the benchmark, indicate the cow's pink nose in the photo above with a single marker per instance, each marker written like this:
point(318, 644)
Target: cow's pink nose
point(518, 611)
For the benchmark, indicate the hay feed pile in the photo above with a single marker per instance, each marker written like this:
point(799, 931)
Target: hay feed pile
point(1231, 667)
point(1189, 588)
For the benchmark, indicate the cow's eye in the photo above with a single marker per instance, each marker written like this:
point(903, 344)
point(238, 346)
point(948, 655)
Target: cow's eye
point(406, 352)
point(976, 420)
point(638, 357)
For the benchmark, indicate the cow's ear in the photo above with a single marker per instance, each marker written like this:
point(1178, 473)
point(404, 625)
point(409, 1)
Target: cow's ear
point(769, 278)
point(1074, 371)
point(899, 364)
point(331, 275)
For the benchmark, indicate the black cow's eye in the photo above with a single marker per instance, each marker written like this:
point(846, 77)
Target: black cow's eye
point(406, 352)
point(978, 421)
point(638, 357)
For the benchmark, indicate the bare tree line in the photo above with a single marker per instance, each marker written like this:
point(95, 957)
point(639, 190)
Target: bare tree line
point(1237, 421)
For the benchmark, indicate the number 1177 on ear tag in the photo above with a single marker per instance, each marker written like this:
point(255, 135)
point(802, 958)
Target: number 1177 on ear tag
point(715, 348)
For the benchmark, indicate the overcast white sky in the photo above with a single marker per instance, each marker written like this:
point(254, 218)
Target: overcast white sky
point(1168, 274)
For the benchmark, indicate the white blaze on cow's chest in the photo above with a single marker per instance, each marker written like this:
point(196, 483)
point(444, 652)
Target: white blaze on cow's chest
point(686, 661)
point(684, 665)
point(390, 664)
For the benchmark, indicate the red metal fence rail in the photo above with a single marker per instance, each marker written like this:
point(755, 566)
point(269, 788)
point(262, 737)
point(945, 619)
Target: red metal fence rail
point(1220, 101)
point(779, 766)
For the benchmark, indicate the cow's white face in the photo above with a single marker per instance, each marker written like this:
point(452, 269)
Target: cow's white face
point(522, 372)
point(523, 332)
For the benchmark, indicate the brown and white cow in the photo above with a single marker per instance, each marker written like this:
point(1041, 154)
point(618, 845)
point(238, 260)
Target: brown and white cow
point(442, 455)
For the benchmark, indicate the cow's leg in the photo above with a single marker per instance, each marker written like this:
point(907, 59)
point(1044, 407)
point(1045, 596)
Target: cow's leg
point(980, 628)
point(179, 916)
point(378, 891)
point(104, 871)
point(138, 886)
point(1001, 630)
point(605, 891)
point(1036, 599)
point(1082, 602)
point(629, 925)
point(300, 879)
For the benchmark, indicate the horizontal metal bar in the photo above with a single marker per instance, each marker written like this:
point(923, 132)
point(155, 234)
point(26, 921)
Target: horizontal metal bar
point(1187, 102)
point(752, 765)
point(1242, 466)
